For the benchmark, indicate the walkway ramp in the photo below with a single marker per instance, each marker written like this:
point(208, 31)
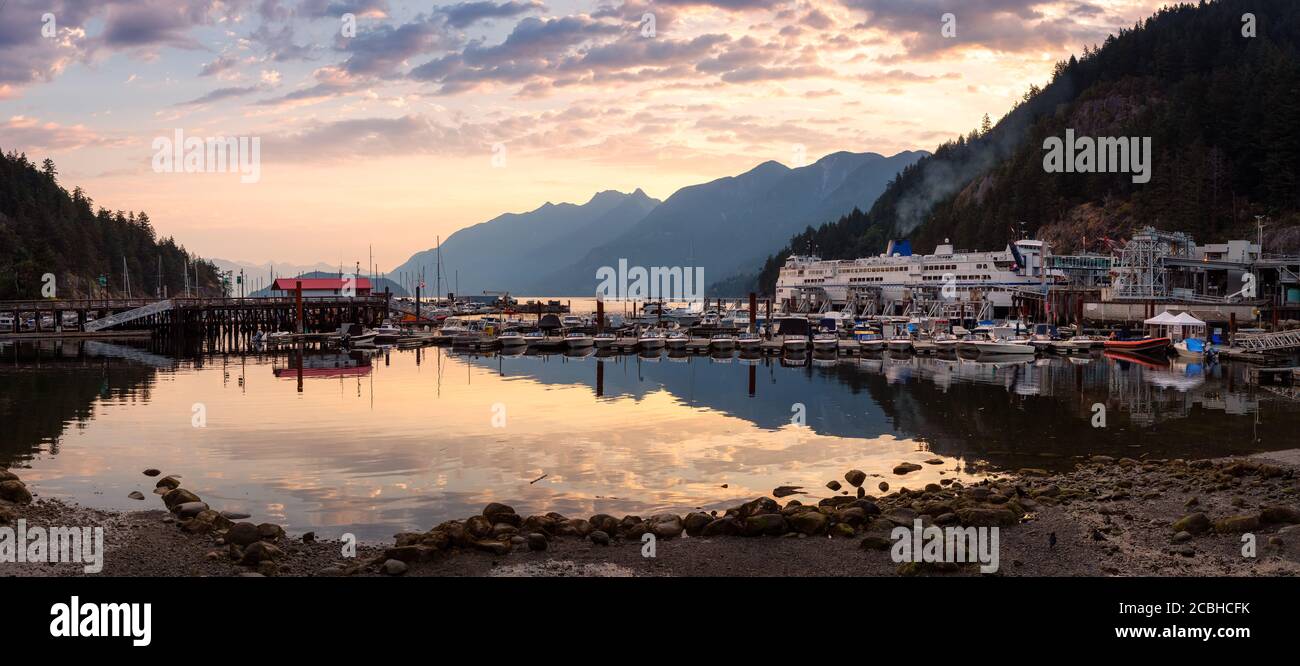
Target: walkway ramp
point(1282, 340)
point(129, 315)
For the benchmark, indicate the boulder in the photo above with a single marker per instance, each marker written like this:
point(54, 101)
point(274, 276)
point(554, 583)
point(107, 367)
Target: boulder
point(6, 475)
point(809, 522)
point(537, 541)
point(136, 495)
point(189, 509)
point(270, 532)
point(1280, 514)
point(501, 513)
point(242, 534)
point(260, 551)
point(604, 522)
point(987, 517)
point(1194, 523)
point(725, 526)
point(855, 477)
point(169, 482)
point(394, 567)
point(906, 468)
point(478, 526)
point(771, 524)
point(152, 472)
point(875, 542)
point(696, 521)
point(15, 491)
point(599, 537)
point(666, 526)
point(492, 546)
point(833, 485)
point(1236, 524)
point(177, 496)
point(884, 487)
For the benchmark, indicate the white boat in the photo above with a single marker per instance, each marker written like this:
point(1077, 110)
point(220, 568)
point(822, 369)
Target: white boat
point(711, 318)
point(512, 339)
point(737, 318)
point(749, 340)
point(652, 340)
point(793, 333)
point(826, 342)
point(534, 339)
point(1193, 348)
point(899, 344)
point(794, 343)
point(577, 340)
point(869, 339)
point(722, 341)
point(604, 340)
point(573, 321)
point(677, 340)
point(1002, 347)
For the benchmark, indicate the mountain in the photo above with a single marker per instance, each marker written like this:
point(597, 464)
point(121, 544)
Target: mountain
point(1222, 111)
point(510, 252)
point(259, 275)
point(378, 285)
point(44, 229)
point(730, 224)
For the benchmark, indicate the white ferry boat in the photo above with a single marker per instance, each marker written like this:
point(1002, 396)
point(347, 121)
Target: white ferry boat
point(976, 276)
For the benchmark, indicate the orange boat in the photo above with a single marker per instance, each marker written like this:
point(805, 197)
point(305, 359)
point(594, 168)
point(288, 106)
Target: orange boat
point(1142, 346)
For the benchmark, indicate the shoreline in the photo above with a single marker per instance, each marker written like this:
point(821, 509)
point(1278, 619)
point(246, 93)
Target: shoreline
point(1109, 517)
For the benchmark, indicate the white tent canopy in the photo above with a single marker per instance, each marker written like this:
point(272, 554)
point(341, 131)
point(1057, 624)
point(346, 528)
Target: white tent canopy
point(1163, 319)
point(1184, 319)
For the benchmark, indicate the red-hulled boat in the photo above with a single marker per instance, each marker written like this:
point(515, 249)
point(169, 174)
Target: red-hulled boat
point(1142, 346)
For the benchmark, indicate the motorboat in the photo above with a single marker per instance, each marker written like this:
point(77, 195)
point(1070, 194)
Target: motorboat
point(924, 346)
point(577, 340)
point(604, 340)
point(737, 318)
point(652, 340)
point(749, 340)
point(794, 343)
point(899, 344)
point(722, 341)
point(825, 342)
point(987, 347)
point(1193, 348)
point(677, 340)
point(869, 339)
point(793, 332)
point(1139, 346)
point(534, 339)
point(512, 339)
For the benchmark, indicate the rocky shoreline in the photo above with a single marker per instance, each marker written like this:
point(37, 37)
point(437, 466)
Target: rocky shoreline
point(1103, 517)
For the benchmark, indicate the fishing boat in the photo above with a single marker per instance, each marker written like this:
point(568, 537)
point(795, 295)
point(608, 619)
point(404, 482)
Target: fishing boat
point(824, 342)
point(899, 344)
point(1139, 346)
point(577, 340)
point(869, 339)
point(604, 340)
point(677, 340)
point(722, 342)
point(749, 340)
point(1193, 348)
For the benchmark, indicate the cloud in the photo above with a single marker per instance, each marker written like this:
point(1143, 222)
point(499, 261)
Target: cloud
point(223, 93)
point(464, 14)
point(29, 134)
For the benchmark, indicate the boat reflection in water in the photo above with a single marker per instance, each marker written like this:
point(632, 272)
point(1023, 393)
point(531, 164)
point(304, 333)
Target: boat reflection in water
point(378, 442)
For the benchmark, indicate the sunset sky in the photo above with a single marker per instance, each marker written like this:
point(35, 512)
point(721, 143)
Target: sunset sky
point(389, 137)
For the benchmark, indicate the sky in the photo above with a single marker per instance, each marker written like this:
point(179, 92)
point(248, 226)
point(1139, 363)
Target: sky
point(389, 124)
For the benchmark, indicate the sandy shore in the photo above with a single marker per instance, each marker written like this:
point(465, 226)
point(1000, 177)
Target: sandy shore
point(1103, 518)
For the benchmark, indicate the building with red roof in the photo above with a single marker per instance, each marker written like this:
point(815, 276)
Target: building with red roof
point(321, 286)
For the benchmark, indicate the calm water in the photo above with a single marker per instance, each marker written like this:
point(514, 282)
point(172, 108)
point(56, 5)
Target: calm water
point(406, 439)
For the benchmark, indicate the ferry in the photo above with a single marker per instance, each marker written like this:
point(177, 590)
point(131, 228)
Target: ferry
point(977, 276)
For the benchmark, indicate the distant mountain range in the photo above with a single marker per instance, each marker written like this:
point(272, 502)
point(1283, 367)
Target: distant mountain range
point(727, 226)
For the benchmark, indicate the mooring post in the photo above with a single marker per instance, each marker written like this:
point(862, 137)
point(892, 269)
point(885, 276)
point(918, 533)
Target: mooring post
point(600, 315)
point(753, 311)
point(297, 294)
point(768, 319)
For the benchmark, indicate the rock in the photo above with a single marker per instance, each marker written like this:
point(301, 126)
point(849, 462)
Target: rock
point(833, 484)
point(409, 554)
point(973, 516)
point(537, 541)
point(884, 487)
point(479, 526)
point(786, 491)
point(875, 542)
point(260, 551)
point(189, 509)
point(605, 523)
point(394, 567)
point(770, 524)
point(852, 515)
point(934, 461)
point(1032, 471)
point(492, 546)
point(666, 526)
point(1236, 524)
point(855, 477)
point(946, 519)
point(501, 513)
point(270, 532)
point(152, 472)
point(15, 491)
point(507, 530)
point(1182, 536)
point(6, 475)
point(1185, 551)
point(543, 524)
point(178, 496)
point(933, 488)
point(906, 468)
point(1102, 460)
point(842, 530)
point(1280, 514)
point(696, 521)
point(1051, 490)
point(599, 537)
point(242, 534)
point(1194, 523)
point(136, 495)
point(725, 526)
point(234, 515)
point(169, 482)
point(8, 516)
point(309, 537)
point(808, 522)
